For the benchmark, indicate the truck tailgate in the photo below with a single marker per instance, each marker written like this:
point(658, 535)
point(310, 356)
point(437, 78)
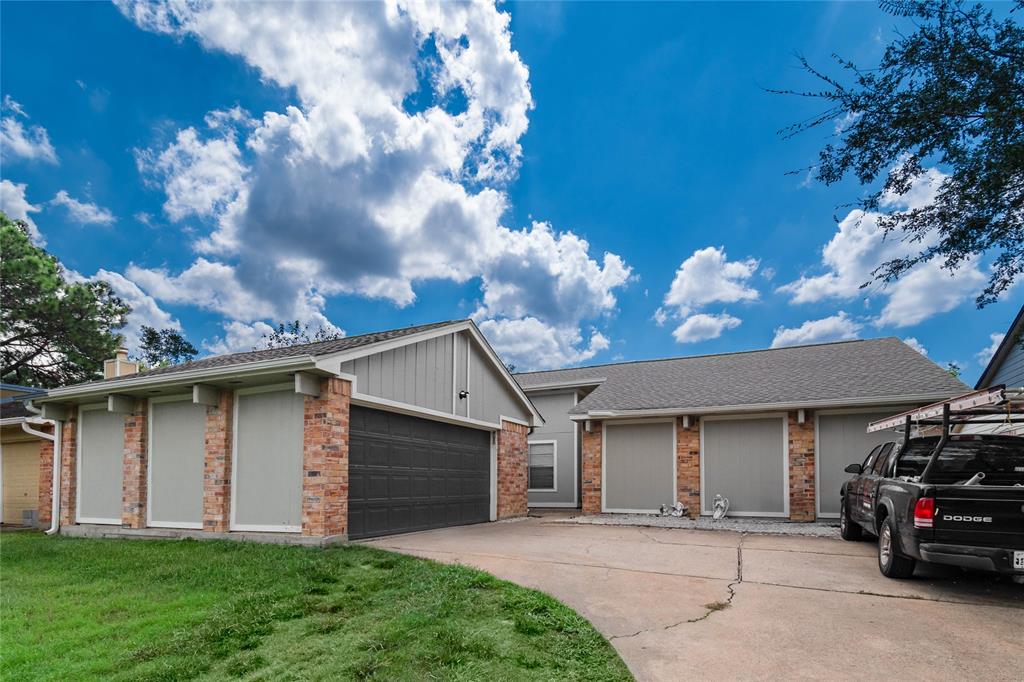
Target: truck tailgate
point(981, 516)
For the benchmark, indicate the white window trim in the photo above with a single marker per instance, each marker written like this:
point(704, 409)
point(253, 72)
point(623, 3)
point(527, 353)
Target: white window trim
point(78, 471)
point(784, 416)
point(817, 478)
point(232, 524)
point(554, 457)
point(604, 467)
point(150, 523)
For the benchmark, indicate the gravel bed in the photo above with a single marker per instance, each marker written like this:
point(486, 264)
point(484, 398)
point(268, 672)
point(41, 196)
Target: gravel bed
point(819, 529)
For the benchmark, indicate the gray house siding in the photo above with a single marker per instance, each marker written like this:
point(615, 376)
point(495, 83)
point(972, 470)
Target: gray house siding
point(559, 428)
point(419, 374)
point(100, 465)
point(1011, 372)
point(431, 374)
point(177, 439)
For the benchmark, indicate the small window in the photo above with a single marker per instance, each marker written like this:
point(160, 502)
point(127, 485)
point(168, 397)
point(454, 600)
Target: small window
point(881, 465)
point(869, 461)
point(542, 465)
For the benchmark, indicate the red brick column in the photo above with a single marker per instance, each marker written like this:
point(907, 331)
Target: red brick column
point(45, 504)
point(512, 470)
point(801, 467)
point(325, 428)
point(592, 469)
point(217, 465)
point(69, 468)
point(133, 499)
point(688, 466)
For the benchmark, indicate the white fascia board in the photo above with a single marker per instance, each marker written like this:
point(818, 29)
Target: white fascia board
point(759, 407)
point(186, 377)
point(564, 384)
point(9, 421)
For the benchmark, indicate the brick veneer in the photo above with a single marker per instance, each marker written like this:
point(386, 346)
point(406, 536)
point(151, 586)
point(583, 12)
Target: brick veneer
point(688, 466)
point(801, 467)
point(68, 468)
point(512, 470)
point(44, 512)
point(133, 492)
point(325, 459)
point(217, 464)
point(591, 481)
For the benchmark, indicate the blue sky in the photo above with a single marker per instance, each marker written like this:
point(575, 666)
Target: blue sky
point(589, 181)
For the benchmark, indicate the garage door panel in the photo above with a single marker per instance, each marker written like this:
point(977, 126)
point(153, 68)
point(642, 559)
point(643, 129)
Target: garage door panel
point(744, 461)
point(177, 460)
point(100, 466)
point(435, 474)
point(843, 439)
point(639, 466)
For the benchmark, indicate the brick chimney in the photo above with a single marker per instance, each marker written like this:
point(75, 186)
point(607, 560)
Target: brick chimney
point(119, 365)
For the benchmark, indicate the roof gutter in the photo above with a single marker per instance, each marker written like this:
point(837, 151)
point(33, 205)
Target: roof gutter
point(296, 363)
point(563, 384)
point(757, 407)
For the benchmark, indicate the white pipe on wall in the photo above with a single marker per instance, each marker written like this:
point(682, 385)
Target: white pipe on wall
point(55, 489)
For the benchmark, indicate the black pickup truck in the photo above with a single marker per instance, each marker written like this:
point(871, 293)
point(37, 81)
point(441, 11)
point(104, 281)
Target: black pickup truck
point(963, 507)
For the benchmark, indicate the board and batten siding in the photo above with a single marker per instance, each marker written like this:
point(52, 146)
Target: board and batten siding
point(1011, 372)
point(431, 373)
point(100, 465)
point(558, 427)
point(177, 434)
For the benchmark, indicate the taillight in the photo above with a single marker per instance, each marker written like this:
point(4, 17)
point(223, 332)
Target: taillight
point(924, 513)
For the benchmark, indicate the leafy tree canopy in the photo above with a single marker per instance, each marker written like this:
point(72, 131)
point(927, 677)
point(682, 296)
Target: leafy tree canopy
point(53, 332)
point(159, 348)
point(951, 95)
point(294, 334)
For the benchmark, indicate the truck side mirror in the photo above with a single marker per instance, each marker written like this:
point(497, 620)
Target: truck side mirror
point(852, 469)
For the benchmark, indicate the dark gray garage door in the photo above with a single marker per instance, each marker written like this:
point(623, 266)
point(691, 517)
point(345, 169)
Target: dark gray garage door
point(408, 474)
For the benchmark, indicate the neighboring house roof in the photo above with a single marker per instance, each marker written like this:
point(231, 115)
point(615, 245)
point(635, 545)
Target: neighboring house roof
point(14, 409)
point(843, 373)
point(1011, 340)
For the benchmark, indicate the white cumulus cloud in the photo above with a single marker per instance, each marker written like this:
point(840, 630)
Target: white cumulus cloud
point(83, 212)
point(388, 170)
point(838, 327)
point(530, 344)
point(701, 327)
point(19, 140)
point(916, 345)
point(984, 356)
point(14, 203)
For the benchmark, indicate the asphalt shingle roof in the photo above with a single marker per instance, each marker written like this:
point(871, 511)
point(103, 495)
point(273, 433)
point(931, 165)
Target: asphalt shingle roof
point(875, 368)
point(317, 348)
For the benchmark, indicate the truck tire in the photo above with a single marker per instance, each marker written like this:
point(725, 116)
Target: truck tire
point(849, 529)
point(891, 563)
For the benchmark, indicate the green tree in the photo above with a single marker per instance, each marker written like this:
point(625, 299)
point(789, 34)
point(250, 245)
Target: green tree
point(295, 334)
point(159, 348)
point(948, 95)
point(52, 332)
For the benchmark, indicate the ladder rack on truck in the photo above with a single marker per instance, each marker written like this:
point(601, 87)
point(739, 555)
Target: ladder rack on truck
point(983, 406)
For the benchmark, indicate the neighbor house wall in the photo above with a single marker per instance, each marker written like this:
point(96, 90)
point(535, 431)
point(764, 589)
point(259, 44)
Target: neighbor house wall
point(1011, 372)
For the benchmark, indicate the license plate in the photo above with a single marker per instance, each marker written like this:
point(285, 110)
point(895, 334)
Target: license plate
point(1018, 561)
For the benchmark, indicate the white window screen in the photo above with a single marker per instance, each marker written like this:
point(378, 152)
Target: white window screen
point(542, 466)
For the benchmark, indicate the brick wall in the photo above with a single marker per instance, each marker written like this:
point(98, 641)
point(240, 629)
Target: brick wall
point(592, 469)
point(688, 466)
point(325, 459)
point(45, 503)
point(217, 464)
point(68, 464)
point(801, 467)
point(512, 470)
point(133, 498)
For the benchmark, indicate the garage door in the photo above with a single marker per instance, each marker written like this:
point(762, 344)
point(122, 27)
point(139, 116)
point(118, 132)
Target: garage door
point(744, 461)
point(177, 436)
point(100, 465)
point(408, 474)
point(842, 440)
point(639, 466)
point(21, 480)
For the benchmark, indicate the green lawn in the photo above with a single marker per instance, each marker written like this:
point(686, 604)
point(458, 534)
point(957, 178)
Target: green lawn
point(171, 610)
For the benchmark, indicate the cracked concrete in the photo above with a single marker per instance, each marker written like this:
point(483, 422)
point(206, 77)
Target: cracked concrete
point(695, 603)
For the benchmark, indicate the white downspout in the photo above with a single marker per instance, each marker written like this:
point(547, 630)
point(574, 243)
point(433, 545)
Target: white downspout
point(55, 491)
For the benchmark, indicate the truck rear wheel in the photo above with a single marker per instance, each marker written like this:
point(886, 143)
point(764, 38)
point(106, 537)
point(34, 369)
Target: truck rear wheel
point(891, 563)
point(849, 529)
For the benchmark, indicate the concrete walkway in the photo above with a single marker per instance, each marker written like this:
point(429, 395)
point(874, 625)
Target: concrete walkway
point(699, 604)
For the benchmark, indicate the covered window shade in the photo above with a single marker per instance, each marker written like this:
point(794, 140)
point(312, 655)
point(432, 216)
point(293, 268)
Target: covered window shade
point(542, 466)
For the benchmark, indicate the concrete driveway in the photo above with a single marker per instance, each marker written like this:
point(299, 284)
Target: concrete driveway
point(690, 603)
